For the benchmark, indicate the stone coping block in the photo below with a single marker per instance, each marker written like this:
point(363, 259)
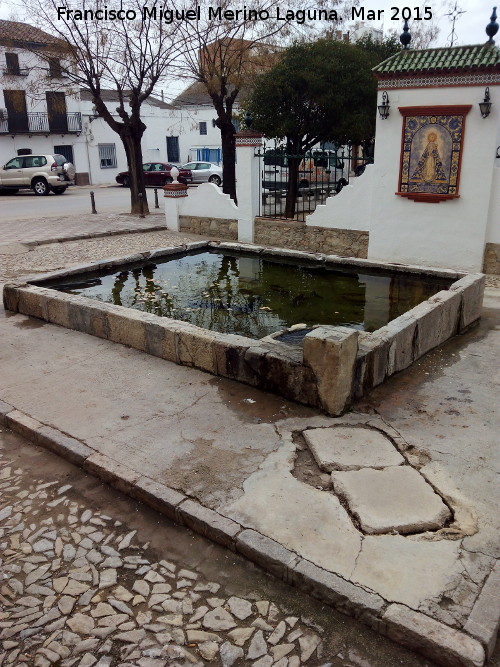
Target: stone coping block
point(23, 424)
point(351, 448)
point(397, 268)
point(211, 524)
point(472, 290)
point(437, 320)
point(484, 620)
point(267, 553)
point(64, 445)
point(5, 408)
point(337, 592)
point(110, 471)
point(158, 496)
point(337, 363)
point(331, 354)
point(396, 498)
point(445, 645)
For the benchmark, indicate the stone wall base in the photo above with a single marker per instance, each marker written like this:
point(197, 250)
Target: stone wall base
point(298, 236)
point(222, 229)
point(492, 258)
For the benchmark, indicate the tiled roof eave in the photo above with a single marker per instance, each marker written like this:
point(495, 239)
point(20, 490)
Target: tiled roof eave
point(438, 72)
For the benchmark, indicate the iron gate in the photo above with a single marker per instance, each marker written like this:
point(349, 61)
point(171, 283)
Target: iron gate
point(322, 173)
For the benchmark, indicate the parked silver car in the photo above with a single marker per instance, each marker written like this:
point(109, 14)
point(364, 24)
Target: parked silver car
point(205, 172)
point(40, 173)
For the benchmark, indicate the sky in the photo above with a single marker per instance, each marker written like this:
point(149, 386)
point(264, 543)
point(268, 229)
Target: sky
point(469, 27)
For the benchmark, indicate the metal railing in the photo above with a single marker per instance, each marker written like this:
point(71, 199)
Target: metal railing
point(15, 71)
point(39, 122)
point(321, 173)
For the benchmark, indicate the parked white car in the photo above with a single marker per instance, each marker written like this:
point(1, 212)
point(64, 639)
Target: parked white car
point(40, 173)
point(205, 172)
point(318, 170)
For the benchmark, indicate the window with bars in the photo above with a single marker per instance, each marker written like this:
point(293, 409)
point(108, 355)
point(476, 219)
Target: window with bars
point(107, 156)
point(203, 127)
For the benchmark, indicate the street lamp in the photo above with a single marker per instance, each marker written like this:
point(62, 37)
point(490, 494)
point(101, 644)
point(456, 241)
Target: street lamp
point(383, 108)
point(485, 105)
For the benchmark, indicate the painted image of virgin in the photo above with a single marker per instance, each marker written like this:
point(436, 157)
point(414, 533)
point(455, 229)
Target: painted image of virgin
point(430, 167)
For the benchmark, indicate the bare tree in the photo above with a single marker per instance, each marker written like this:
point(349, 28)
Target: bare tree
point(225, 52)
point(108, 45)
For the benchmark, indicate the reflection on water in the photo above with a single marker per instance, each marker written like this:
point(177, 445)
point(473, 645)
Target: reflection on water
point(254, 296)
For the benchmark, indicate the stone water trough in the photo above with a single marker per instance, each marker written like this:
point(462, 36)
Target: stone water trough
point(329, 368)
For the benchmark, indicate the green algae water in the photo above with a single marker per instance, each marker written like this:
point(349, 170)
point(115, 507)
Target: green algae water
point(255, 296)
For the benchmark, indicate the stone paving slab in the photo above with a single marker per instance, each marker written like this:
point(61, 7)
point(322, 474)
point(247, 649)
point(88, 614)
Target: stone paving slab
point(348, 448)
point(231, 449)
point(395, 499)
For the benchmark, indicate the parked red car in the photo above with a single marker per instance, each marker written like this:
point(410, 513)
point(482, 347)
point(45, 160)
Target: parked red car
point(156, 174)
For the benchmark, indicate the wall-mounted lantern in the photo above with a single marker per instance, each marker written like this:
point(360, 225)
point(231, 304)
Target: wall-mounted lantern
point(485, 105)
point(383, 108)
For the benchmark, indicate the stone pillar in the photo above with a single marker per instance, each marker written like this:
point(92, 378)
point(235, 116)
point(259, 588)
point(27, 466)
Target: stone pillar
point(331, 354)
point(173, 194)
point(247, 182)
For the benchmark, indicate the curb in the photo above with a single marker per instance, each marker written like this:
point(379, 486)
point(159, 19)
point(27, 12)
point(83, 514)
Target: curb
point(444, 645)
point(91, 235)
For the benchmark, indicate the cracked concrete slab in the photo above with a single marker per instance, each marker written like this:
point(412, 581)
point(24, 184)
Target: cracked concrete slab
point(393, 499)
point(406, 570)
point(305, 520)
point(349, 448)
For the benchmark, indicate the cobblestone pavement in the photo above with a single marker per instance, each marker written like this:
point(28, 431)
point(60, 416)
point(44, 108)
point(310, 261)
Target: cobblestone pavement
point(67, 226)
point(88, 577)
point(40, 259)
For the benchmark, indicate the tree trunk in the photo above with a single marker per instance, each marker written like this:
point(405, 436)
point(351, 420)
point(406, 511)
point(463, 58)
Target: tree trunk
point(228, 143)
point(223, 105)
point(131, 138)
point(293, 186)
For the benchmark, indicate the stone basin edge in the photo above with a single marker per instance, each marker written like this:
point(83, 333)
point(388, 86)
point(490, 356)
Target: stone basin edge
point(446, 646)
point(336, 365)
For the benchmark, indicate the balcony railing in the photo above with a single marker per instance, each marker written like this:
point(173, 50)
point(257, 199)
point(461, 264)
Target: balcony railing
point(15, 71)
point(40, 123)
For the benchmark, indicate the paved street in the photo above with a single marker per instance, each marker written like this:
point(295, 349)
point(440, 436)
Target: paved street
point(110, 198)
point(26, 217)
point(92, 578)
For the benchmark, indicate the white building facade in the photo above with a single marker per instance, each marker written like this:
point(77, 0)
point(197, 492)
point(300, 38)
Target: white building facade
point(39, 108)
point(41, 112)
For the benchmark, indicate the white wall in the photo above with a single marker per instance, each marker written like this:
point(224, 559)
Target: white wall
point(35, 85)
point(188, 120)
point(161, 123)
point(451, 233)
point(350, 208)
point(493, 230)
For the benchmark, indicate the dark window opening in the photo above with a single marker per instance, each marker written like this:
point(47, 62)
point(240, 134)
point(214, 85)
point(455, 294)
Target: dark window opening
point(107, 156)
point(55, 69)
point(203, 127)
point(173, 153)
point(24, 151)
point(66, 152)
point(56, 110)
point(12, 64)
point(17, 112)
